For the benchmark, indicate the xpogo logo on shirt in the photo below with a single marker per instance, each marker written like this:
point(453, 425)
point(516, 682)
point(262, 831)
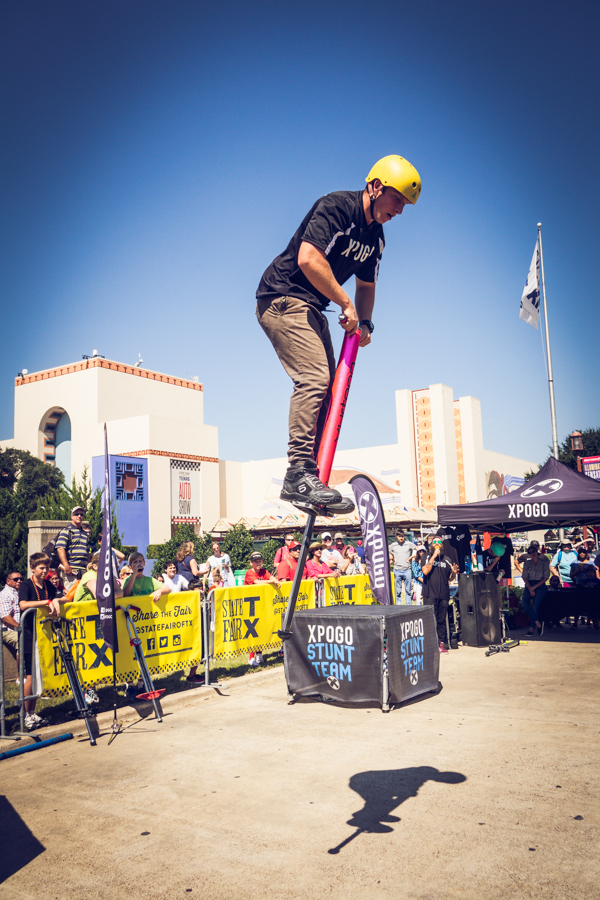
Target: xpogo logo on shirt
point(543, 488)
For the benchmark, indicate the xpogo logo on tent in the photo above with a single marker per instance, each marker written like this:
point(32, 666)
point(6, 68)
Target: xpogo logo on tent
point(543, 488)
point(333, 683)
point(368, 507)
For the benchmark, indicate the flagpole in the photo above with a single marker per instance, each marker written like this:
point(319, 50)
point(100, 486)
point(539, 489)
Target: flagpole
point(547, 330)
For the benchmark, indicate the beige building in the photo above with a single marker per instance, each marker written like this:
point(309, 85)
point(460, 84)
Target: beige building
point(165, 465)
point(439, 458)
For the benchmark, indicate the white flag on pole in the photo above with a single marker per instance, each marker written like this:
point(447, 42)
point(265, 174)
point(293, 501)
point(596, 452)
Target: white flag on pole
point(530, 301)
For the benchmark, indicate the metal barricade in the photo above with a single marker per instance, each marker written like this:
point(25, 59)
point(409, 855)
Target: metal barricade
point(208, 624)
point(21, 732)
point(3, 734)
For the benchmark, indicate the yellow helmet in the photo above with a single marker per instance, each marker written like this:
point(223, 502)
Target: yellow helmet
point(398, 173)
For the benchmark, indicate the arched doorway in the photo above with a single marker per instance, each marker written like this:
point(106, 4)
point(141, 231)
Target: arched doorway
point(55, 440)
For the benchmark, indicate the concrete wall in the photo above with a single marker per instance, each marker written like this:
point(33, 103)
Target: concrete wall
point(407, 460)
point(139, 411)
point(472, 441)
point(500, 470)
point(40, 532)
point(443, 437)
point(231, 490)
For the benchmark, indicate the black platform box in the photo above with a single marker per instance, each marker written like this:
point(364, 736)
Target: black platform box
point(344, 653)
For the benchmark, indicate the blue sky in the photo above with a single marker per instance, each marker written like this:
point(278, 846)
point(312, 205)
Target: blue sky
point(156, 157)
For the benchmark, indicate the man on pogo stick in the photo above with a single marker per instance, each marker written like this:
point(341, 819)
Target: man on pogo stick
point(341, 236)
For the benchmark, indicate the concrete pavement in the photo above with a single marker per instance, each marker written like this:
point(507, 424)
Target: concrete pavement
point(487, 790)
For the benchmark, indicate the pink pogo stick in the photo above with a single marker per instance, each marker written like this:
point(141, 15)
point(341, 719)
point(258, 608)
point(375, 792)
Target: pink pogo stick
point(337, 406)
point(327, 445)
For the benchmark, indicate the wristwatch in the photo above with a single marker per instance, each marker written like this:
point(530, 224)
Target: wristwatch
point(368, 324)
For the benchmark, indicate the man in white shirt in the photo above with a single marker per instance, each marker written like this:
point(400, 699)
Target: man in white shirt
point(176, 582)
point(10, 612)
point(330, 556)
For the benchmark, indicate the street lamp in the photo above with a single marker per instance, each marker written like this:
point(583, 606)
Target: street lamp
point(577, 447)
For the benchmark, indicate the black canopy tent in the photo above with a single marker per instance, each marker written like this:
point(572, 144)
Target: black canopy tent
point(556, 497)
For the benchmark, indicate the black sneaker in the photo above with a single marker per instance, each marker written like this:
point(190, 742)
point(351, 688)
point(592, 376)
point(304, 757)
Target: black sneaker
point(302, 485)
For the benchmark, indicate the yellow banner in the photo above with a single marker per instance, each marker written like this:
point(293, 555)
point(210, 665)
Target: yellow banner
point(170, 632)
point(248, 618)
point(352, 589)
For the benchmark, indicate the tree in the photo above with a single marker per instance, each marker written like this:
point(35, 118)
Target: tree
point(590, 438)
point(58, 505)
point(268, 550)
point(239, 545)
point(168, 551)
point(24, 480)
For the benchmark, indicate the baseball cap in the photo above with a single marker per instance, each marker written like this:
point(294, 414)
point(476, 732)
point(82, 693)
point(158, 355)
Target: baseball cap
point(325, 534)
point(256, 555)
point(77, 509)
point(338, 534)
point(293, 545)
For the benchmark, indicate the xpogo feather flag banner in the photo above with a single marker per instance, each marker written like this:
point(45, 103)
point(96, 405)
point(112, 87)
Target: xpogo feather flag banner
point(372, 524)
point(105, 591)
point(530, 301)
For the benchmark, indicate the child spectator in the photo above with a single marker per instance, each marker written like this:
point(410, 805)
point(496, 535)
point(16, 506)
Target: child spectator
point(217, 578)
point(139, 585)
point(35, 593)
point(174, 581)
point(258, 572)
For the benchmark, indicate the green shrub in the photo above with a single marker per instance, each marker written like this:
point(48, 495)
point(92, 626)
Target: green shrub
point(239, 545)
point(268, 550)
point(164, 552)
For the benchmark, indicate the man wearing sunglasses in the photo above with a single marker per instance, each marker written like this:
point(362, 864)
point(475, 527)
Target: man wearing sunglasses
point(10, 612)
point(72, 546)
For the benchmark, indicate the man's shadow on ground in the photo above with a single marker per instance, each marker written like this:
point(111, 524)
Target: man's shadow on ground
point(385, 790)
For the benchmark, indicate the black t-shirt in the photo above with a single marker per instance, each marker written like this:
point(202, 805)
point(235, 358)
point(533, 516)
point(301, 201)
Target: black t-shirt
point(184, 568)
point(460, 539)
point(435, 585)
point(28, 594)
point(445, 532)
point(337, 225)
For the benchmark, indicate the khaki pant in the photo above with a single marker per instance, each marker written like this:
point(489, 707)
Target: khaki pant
point(10, 639)
point(300, 335)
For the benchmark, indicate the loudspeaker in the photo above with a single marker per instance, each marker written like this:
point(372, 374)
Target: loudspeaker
point(479, 604)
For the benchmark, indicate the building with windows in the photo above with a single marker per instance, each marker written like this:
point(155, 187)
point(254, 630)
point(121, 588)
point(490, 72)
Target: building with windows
point(164, 461)
point(164, 466)
point(438, 458)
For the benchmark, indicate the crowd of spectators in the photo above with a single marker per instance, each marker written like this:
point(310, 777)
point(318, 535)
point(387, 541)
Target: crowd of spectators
point(424, 573)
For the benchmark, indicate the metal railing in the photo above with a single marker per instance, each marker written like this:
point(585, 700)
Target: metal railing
point(21, 732)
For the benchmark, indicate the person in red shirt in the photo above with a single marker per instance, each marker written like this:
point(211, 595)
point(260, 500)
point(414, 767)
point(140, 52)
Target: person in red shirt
point(287, 569)
point(258, 572)
point(317, 569)
point(284, 551)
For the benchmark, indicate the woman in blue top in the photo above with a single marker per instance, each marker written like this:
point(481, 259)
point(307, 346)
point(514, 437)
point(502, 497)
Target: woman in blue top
point(561, 563)
point(417, 570)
